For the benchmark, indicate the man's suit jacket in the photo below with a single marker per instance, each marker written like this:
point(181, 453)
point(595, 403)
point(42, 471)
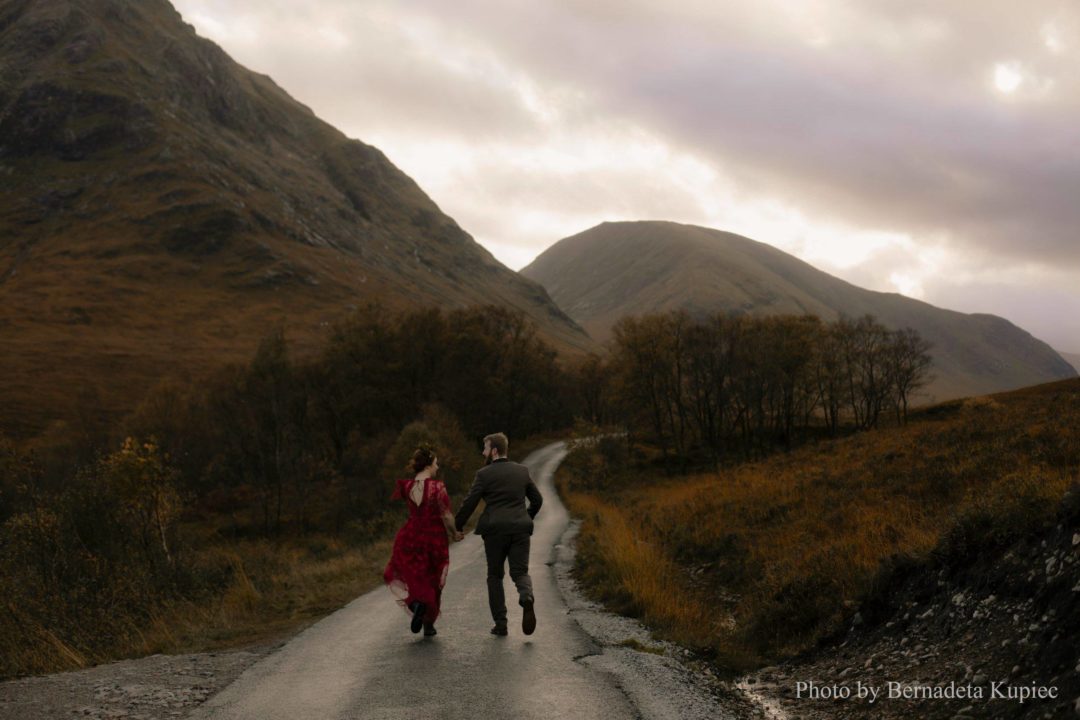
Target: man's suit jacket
point(503, 486)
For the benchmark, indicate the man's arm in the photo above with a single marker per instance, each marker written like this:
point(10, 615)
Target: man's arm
point(535, 498)
point(468, 505)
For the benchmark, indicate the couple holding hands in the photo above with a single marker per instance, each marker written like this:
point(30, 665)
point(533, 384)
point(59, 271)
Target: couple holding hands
point(420, 559)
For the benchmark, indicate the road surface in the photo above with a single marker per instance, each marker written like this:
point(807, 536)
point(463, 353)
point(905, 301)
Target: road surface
point(362, 661)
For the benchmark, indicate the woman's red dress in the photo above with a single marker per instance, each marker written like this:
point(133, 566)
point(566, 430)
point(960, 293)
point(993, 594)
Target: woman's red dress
point(421, 555)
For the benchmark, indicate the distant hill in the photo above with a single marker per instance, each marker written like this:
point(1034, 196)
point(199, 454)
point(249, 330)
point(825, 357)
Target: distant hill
point(633, 268)
point(1071, 358)
point(161, 207)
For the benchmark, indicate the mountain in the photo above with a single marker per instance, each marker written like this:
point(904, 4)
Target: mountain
point(161, 207)
point(633, 268)
point(1071, 358)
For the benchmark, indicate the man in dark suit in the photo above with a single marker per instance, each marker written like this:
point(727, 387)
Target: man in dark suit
point(506, 526)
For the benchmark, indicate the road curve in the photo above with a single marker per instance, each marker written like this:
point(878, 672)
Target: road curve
point(362, 661)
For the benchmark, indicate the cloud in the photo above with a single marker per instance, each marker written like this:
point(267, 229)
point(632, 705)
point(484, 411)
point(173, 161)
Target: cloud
point(370, 65)
point(888, 118)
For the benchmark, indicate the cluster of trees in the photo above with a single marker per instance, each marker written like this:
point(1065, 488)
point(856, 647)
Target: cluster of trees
point(746, 383)
point(276, 430)
point(285, 444)
point(282, 444)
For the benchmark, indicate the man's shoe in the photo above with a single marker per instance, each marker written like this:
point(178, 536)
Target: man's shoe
point(528, 619)
point(418, 609)
point(499, 630)
point(429, 630)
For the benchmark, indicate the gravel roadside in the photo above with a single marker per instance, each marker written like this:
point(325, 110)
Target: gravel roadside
point(657, 676)
point(158, 686)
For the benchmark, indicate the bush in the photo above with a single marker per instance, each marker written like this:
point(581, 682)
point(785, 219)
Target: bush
point(86, 565)
point(458, 461)
point(1014, 506)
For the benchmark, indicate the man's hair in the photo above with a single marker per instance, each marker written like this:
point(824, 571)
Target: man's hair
point(498, 442)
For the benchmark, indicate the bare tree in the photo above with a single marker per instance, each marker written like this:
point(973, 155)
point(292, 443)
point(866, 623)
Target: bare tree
point(909, 368)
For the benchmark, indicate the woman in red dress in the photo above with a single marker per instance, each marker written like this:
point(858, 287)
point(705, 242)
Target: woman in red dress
point(420, 559)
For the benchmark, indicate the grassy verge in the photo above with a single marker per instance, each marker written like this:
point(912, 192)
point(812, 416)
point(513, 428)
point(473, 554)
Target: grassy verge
point(275, 589)
point(763, 560)
point(251, 591)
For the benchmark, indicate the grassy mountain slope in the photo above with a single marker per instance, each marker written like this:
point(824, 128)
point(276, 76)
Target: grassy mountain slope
point(1071, 358)
point(161, 207)
point(632, 268)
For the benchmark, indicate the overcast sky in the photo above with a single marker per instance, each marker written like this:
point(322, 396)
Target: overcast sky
point(929, 147)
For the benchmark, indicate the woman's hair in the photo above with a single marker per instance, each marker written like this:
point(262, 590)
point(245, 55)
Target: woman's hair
point(423, 456)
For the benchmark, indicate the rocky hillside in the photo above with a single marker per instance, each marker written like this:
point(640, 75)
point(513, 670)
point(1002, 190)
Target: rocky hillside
point(995, 626)
point(161, 207)
point(633, 268)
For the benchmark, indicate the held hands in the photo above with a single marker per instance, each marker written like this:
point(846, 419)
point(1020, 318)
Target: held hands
point(451, 529)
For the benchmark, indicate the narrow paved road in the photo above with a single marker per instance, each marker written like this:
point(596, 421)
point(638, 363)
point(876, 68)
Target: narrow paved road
point(362, 661)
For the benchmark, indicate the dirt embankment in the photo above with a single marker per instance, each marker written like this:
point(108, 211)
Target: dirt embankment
point(995, 636)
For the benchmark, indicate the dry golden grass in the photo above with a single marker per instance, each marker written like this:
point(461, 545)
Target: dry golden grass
point(273, 588)
point(788, 546)
point(641, 571)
